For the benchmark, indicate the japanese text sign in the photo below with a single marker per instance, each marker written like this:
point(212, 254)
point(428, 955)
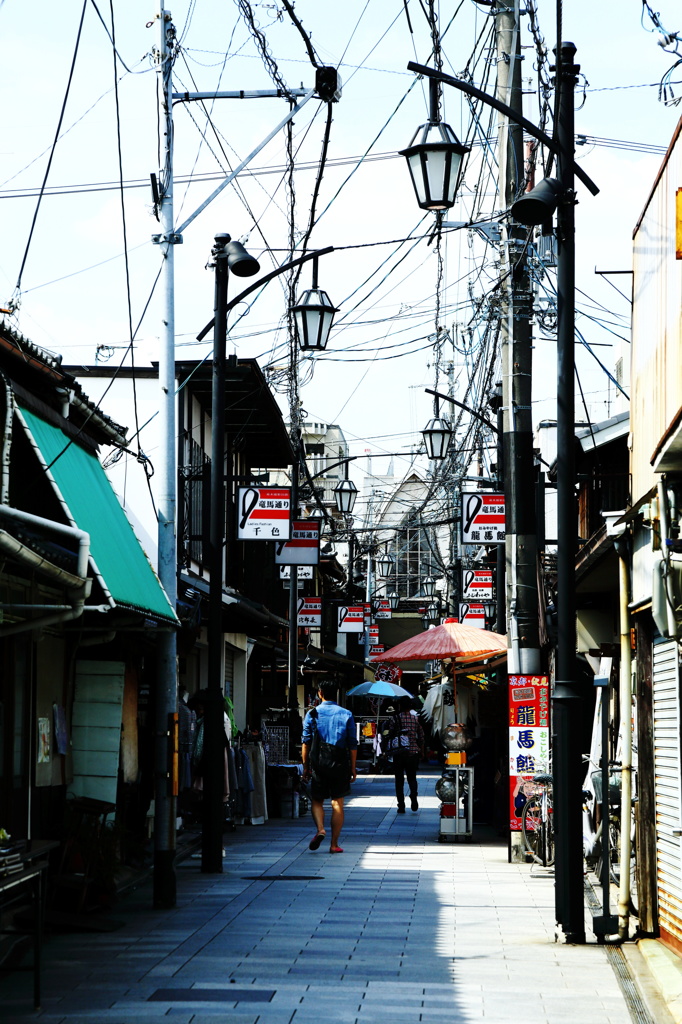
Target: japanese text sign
point(263, 513)
point(472, 615)
point(477, 584)
point(310, 612)
point(303, 547)
point(482, 518)
point(382, 608)
point(529, 698)
point(351, 619)
point(303, 572)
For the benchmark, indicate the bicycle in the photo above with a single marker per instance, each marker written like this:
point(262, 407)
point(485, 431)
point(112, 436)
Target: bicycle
point(537, 822)
point(592, 836)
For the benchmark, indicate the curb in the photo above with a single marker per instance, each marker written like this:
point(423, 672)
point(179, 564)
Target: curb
point(666, 969)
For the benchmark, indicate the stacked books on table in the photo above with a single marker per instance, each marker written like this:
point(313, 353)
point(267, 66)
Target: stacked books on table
point(10, 861)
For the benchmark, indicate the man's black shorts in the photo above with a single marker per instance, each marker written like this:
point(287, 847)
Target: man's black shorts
point(332, 783)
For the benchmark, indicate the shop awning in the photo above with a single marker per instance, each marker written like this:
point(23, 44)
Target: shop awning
point(89, 501)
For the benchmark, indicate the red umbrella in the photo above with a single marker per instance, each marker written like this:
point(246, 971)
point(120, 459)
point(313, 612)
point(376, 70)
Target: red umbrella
point(465, 645)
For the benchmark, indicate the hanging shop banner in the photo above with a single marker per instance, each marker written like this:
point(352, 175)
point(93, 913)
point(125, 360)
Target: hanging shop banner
point(351, 619)
point(263, 513)
point(477, 585)
point(304, 572)
point(310, 612)
point(472, 615)
point(373, 635)
point(368, 614)
point(387, 672)
point(482, 518)
point(303, 547)
point(377, 649)
point(382, 608)
point(528, 740)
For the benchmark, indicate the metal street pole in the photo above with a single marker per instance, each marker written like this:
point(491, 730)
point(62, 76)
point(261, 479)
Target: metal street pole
point(164, 891)
point(567, 701)
point(521, 624)
point(292, 665)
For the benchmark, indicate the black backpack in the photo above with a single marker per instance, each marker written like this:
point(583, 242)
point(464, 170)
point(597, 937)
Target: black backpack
point(325, 757)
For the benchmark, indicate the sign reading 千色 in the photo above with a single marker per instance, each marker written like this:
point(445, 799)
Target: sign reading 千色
point(263, 513)
point(482, 518)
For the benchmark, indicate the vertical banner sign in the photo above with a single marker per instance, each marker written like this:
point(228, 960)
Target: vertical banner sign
point(351, 619)
point(477, 585)
point(382, 608)
point(263, 513)
point(472, 615)
point(482, 518)
point(310, 612)
point(373, 636)
point(528, 740)
point(368, 614)
point(303, 547)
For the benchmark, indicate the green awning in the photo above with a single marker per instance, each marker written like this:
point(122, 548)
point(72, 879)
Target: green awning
point(89, 499)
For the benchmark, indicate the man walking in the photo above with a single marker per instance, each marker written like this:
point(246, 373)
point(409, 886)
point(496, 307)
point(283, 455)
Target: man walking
point(329, 753)
point(406, 747)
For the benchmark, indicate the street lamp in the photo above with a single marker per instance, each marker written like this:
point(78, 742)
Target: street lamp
point(432, 611)
point(437, 434)
point(393, 600)
point(426, 622)
point(429, 586)
point(385, 564)
point(345, 494)
point(434, 159)
point(313, 316)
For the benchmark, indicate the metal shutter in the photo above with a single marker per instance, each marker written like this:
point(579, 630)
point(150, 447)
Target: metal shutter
point(666, 716)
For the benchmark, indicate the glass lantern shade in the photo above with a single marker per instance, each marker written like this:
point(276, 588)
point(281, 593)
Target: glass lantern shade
point(434, 158)
point(313, 316)
point(437, 434)
point(429, 586)
point(345, 494)
point(393, 600)
point(425, 621)
point(385, 565)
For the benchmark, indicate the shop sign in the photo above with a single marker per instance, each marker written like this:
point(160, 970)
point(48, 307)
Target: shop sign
point(351, 619)
point(477, 584)
point(305, 572)
point(382, 608)
point(310, 612)
point(368, 614)
point(263, 513)
point(472, 615)
point(482, 518)
point(303, 547)
point(373, 632)
point(528, 740)
point(377, 649)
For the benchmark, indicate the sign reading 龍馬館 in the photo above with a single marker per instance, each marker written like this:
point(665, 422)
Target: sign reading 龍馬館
point(529, 698)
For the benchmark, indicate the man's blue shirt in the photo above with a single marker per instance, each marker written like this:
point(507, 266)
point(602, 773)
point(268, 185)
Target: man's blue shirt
point(335, 724)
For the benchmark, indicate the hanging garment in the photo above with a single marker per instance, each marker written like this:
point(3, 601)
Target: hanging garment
point(256, 761)
point(439, 707)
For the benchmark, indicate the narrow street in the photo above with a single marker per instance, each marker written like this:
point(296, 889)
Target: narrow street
point(398, 927)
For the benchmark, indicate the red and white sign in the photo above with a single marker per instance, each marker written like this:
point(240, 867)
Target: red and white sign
point(382, 608)
point(477, 585)
point(472, 615)
point(351, 619)
point(377, 649)
point(310, 612)
point(482, 518)
point(263, 513)
point(373, 632)
point(368, 614)
point(303, 547)
point(528, 740)
point(387, 672)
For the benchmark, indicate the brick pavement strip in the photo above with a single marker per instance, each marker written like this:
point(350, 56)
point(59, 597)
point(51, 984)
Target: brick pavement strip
point(400, 928)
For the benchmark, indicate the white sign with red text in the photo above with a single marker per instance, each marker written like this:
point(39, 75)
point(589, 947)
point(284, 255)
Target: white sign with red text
point(310, 612)
point(351, 619)
point(382, 608)
point(482, 518)
point(477, 585)
point(472, 615)
point(303, 547)
point(263, 513)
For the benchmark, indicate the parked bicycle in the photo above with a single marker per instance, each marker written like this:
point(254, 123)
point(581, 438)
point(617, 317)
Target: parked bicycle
point(593, 829)
point(537, 822)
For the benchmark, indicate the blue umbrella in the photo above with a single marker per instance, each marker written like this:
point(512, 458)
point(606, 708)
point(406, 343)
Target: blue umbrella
point(379, 689)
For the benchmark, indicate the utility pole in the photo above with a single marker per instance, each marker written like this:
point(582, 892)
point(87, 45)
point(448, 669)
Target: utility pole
point(567, 703)
point(516, 343)
point(166, 690)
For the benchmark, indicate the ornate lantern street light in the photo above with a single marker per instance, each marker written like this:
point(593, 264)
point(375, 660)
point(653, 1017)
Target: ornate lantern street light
point(345, 494)
point(385, 564)
point(434, 159)
point(429, 586)
point(393, 600)
point(437, 434)
point(313, 316)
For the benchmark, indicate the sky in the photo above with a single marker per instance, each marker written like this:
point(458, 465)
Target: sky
point(73, 295)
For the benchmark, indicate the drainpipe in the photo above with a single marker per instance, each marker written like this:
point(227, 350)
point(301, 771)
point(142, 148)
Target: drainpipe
point(626, 743)
point(79, 583)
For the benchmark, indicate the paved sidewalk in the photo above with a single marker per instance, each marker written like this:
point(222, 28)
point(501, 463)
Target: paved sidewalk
point(398, 928)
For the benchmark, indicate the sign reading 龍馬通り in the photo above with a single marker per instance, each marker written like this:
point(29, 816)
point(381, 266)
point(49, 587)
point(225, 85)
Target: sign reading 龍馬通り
point(477, 585)
point(303, 547)
point(310, 612)
point(263, 513)
point(482, 518)
point(351, 619)
point(472, 615)
point(528, 740)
